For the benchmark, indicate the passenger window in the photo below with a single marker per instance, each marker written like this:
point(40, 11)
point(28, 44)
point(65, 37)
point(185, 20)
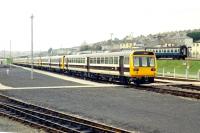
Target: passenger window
point(102, 60)
point(115, 60)
point(90, 60)
point(126, 60)
point(98, 60)
point(106, 60)
point(110, 60)
point(95, 61)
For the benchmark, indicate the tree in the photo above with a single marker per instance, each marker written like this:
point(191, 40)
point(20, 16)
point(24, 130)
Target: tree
point(194, 35)
point(96, 47)
point(85, 47)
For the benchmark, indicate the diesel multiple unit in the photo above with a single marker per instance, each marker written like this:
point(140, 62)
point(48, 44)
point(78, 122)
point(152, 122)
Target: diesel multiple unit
point(136, 66)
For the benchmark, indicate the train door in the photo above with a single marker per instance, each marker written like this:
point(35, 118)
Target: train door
point(63, 62)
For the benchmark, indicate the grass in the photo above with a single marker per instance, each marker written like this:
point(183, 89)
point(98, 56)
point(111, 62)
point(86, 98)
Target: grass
point(179, 66)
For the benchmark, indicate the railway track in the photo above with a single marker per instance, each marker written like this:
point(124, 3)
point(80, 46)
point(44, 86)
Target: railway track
point(189, 91)
point(50, 120)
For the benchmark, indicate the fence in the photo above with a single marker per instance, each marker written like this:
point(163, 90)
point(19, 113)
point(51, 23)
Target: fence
point(179, 73)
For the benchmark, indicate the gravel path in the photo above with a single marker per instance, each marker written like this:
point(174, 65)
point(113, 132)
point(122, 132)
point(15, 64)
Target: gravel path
point(122, 107)
point(7, 125)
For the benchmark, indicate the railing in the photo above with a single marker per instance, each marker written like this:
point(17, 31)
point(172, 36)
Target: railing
point(177, 73)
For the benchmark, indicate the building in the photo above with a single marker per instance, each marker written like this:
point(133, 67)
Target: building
point(195, 50)
point(129, 46)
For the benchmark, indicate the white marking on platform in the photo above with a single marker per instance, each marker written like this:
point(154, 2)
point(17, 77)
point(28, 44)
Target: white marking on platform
point(65, 77)
point(4, 87)
point(57, 87)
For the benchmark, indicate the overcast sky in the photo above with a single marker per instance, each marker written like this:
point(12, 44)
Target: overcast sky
point(67, 23)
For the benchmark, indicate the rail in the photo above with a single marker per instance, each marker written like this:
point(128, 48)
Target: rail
point(50, 120)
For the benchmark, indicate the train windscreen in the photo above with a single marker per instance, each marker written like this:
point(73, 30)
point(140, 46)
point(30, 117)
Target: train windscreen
point(144, 61)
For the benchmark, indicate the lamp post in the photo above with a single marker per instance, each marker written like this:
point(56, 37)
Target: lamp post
point(32, 46)
point(10, 54)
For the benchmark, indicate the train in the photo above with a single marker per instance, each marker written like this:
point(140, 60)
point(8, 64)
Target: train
point(139, 67)
point(176, 52)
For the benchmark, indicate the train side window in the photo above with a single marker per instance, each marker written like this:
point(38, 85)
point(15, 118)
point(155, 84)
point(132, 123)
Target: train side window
point(106, 60)
point(164, 51)
point(102, 60)
point(95, 61)
point(168, 51)
point(98, 60)
point(175, 51)
point(159, 51)
point(126, 60)
point(115, 60)
point(91, 60)
point(172, 50)
point(83, 60)
point(156, 51)
point(110, 60)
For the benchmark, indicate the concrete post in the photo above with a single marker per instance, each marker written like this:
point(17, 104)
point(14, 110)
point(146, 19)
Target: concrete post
point(163, 72)
point(174, 72)
point(186, 73)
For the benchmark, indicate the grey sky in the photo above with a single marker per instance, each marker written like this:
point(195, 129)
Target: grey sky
point(65, 23)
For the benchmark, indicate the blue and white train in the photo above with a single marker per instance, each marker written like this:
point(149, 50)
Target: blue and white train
point(178, 52)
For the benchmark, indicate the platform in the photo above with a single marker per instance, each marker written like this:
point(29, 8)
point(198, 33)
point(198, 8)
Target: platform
point(115, 105)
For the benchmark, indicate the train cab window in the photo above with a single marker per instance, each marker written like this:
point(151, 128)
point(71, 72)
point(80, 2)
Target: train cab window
point(115, 60)
point(102, 60)
point(110, 60)
point(151, 61)
point(144, 61)
point(106, 60)
point(136, 61)
point(98, 60)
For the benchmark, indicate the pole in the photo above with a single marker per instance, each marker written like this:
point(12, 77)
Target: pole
point(10, 54)
point(4, 53)
point(32, 46)
point(111, 34)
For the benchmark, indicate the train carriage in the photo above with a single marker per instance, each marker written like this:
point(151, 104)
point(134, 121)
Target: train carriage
point(136, 66)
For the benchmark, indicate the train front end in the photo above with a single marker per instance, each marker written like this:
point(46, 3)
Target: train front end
point(143, 67)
